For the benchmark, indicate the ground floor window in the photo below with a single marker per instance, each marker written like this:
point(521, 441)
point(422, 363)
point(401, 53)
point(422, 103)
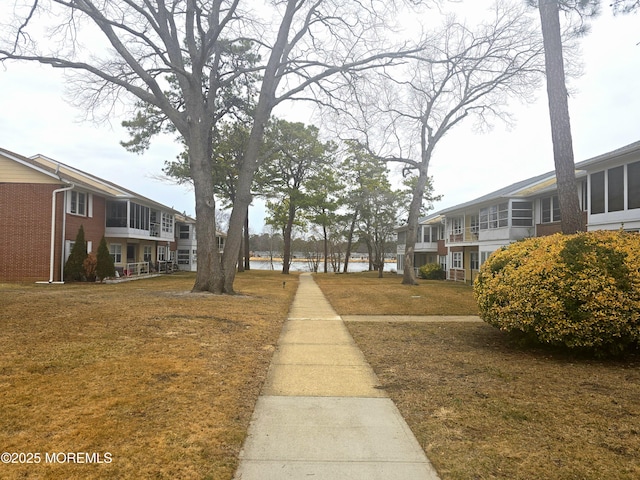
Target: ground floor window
point(474, 261)
point(457, 260)
point(183, 257)
point(115, 250)
point(162, 253)
point(146, 254)
point(442, 260)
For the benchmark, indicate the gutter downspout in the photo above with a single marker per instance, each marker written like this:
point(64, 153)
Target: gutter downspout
point(53, 229)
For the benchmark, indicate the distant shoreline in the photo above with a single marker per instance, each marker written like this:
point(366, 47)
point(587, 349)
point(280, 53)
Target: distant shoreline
point(279, 259)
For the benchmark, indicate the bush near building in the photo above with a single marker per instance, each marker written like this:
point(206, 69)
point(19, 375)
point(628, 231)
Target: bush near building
point(432, 271)
point(580, 291)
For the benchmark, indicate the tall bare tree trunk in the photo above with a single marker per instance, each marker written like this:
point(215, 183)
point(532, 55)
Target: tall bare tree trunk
point(288, 229)
point(247, 246)
point(570, 214)
point(352, 228)
point(408, 274)
point(209, 276)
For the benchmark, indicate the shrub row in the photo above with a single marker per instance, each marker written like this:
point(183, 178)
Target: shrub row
point(581, 291)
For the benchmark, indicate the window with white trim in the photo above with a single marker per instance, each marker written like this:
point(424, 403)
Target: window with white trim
point(78, 203)
point(474, 262)
point(457, 260)
point(167, 222)
point(162, 253)
point(521, 214)
point(495, 216)
point(184, 232)
point(456, 225)
point(550, 207)
point(484, 256)
point(183, 257)
point(115, 250)
point(138, 216)
point(146, 254)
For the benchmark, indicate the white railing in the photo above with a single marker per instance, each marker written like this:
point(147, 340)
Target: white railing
point(137, 269)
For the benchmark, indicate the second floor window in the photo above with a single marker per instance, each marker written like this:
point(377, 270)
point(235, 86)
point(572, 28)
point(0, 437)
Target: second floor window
point(495, 216)
point(615, 189)
point(78, 203)
point(167, 223)
point(522, 214)
point(138, 216)
point(456, 226)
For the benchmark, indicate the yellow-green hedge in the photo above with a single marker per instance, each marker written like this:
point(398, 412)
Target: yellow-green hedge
point(582, 291)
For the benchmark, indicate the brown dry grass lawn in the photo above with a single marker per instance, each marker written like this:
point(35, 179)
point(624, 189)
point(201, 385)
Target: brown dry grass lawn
point(366, 294)
point(163, 380)
point(484, 405)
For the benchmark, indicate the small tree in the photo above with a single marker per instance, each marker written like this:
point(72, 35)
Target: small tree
point(105, 267)
point(89, 266)
point(74, 268)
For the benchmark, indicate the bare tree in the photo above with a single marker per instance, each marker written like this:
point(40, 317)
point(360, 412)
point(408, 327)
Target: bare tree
point(212, 51)
point(463, 73)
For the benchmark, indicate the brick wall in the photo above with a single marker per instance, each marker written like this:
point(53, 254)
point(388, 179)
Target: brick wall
point(25, 231)
point(93, 226)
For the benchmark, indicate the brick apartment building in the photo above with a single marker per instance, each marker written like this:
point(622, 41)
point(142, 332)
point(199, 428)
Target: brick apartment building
point(43, 203)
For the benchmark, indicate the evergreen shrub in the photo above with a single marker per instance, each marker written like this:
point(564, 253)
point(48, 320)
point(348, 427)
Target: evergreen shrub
point(74, 268)
point(432, 271)
point(580, 291)
point(104, 262)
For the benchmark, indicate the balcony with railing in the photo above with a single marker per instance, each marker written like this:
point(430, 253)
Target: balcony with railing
point(463, 235)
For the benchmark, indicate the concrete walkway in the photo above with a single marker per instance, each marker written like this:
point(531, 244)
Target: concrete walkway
point(321, 413)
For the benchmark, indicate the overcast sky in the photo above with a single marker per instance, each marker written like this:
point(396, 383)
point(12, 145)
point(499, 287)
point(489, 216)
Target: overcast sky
point(604, 107)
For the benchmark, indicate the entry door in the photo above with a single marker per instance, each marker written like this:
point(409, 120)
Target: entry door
point(131, 253)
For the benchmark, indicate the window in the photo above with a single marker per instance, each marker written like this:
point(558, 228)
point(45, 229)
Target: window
point(474, 260)
point(495, 216)
point(597, 192)
point(162, 253)
point(183, 257)
point(456, 225)
point(615, 189)
point(78, 203)
point(167, 223)
point(426, 234)
point(146, 254)
point(550, 209)
point(475, 223)
point(457, 260)
point(484, 256)
point(115, 250)
point(184, 232)
point(443, 262)
point(195, 256)
point(116, 214)
point(521, 214)
point(633, 185)
point(139, 216)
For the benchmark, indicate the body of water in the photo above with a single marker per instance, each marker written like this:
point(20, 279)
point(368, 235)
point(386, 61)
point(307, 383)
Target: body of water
point(305, 267)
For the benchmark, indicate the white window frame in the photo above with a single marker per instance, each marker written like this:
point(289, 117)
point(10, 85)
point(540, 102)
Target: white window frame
point(162, 253)
point(167, 222)
point(115, 250)
point(457, 260)
point(77, 207)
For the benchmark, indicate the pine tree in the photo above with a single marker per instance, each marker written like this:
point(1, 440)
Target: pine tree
point(105, 267)
point(74, 269)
